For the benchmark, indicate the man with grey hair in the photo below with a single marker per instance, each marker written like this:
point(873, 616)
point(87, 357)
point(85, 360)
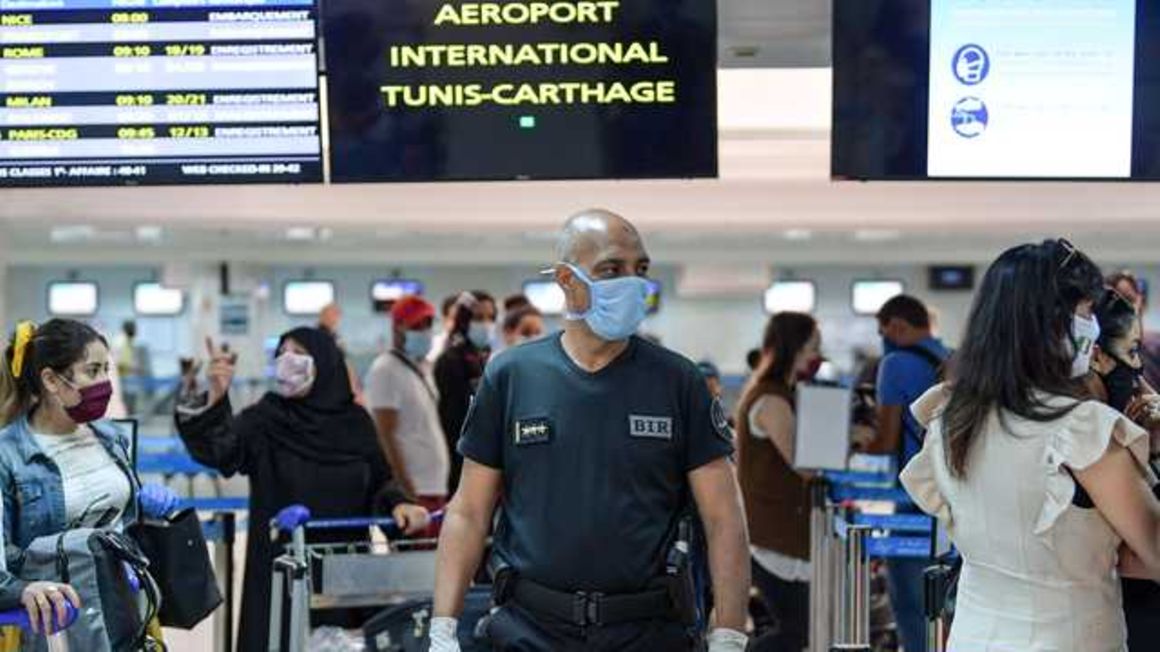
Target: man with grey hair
point(603, 447)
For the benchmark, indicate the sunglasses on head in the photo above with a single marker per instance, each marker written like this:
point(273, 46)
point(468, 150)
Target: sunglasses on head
point(1072, 253)
point(1119, 298)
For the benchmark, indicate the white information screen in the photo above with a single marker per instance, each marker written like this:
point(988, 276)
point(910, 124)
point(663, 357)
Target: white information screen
point(307, 297)
point(73, 299)
point(546, 296)
point(791, 296)
point(1031, 88)
point(154, 299)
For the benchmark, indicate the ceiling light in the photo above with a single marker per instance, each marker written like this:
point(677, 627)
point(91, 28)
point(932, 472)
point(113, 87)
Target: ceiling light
point(798, 235)
point(78, 233)
point(877, 235)
point(301, 233)
point(149, 233)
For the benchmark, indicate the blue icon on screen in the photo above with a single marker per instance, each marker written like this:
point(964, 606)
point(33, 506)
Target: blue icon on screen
point(969, 117)
point(972, 64)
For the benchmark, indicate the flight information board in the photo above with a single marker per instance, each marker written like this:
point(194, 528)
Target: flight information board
point(462, 90)
point(126, 92)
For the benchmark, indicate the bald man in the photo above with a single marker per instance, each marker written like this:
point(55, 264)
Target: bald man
point(329, 318)
point(603, 446)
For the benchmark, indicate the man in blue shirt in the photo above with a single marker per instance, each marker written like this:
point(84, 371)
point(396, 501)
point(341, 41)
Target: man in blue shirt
point(911, 364)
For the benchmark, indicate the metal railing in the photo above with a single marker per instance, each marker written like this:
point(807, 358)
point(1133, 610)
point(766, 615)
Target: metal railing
point(842, 544)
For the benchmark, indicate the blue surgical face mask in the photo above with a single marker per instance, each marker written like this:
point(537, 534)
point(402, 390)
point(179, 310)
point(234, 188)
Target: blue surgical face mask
point(417, 344)
point(616, 307)
point(479, 334)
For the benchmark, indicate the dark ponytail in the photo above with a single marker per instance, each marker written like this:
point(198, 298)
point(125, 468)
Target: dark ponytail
point(57, 344)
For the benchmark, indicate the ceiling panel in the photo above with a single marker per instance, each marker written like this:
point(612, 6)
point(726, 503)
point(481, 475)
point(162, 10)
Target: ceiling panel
point(121, 244)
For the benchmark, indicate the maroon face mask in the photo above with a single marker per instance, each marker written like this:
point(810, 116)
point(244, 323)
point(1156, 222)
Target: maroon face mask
point(812, 371)
point(94, 402)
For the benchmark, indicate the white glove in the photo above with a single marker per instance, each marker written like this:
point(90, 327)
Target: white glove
point(444, 636)
point(727, 640)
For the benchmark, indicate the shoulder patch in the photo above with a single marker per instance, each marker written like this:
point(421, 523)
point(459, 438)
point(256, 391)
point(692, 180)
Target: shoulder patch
point(721, 421)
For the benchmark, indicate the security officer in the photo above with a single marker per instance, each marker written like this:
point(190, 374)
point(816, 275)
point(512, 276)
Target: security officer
point(599, 442)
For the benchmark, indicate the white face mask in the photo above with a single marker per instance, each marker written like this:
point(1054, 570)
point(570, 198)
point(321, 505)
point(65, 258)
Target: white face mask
point(293, 374)
point(1085, 331)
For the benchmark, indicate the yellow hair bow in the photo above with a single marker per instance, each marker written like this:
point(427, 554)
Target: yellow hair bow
point(24, 332)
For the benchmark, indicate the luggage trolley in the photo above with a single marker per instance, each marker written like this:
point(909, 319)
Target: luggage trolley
point(343, 575)
point(57, 642)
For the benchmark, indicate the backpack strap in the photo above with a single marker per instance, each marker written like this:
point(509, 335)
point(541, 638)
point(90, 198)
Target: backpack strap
point(936, 361)
point(938, 364)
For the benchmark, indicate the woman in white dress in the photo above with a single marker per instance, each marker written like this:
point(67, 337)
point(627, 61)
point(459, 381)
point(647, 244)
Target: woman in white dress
point(1010, 441)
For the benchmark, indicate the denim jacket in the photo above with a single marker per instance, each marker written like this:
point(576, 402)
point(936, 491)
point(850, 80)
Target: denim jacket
point(34, 494)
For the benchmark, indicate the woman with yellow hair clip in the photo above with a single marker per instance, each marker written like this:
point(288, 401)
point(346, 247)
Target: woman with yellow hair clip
point(62, 466)
point(40, 599)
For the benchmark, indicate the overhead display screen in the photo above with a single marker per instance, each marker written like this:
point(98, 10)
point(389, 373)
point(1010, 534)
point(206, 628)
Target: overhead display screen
point(1010, 89)
point(112, 92)
point(521, 89)
point(868, 297)
point(384, 293)
point(73, 298)
point(791, 296)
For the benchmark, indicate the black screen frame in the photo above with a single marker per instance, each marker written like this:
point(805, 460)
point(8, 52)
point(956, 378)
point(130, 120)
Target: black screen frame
point(850, 162)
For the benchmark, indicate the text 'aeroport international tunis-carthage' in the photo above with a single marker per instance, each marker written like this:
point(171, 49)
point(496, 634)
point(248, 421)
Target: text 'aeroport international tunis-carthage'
point(515, 92)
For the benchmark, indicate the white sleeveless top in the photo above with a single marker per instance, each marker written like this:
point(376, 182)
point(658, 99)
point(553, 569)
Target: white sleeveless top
point(1039, 574)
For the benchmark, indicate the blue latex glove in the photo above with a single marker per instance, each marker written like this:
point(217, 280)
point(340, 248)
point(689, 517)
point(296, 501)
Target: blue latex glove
point(157, 501)
point(291, 517)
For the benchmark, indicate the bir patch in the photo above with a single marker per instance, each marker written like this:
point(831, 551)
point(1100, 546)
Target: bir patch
point(533, 431)
point(650, 427)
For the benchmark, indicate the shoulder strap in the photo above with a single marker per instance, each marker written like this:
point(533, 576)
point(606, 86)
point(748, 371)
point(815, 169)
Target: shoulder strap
point(930, 357)
point(418, 372)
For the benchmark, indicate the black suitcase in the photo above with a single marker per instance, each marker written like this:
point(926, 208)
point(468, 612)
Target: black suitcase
point(405, 627)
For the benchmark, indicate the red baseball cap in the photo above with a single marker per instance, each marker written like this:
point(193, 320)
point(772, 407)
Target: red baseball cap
point(410, 311)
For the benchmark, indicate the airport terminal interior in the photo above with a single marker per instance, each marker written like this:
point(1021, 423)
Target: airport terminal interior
point(230, 170)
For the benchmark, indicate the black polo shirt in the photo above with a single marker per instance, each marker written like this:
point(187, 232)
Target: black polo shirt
point(594, 465)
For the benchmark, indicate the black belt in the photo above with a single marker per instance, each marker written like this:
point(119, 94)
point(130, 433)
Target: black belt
point(585, 609)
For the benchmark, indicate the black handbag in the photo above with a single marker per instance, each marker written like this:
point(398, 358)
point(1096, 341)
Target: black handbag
point(179, 561)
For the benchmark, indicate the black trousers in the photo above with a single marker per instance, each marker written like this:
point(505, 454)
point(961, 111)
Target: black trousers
point(1142, 613)
point(788, 604)
point(514, 629)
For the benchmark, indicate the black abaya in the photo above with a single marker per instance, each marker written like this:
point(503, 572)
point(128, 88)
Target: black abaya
point(320, 451)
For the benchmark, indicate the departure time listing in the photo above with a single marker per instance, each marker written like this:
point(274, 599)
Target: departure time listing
point(111, 92)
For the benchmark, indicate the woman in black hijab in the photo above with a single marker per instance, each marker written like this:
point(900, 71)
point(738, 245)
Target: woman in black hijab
point(305, 443)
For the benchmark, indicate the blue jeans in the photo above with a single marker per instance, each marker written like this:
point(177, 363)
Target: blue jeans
point(906, 589)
